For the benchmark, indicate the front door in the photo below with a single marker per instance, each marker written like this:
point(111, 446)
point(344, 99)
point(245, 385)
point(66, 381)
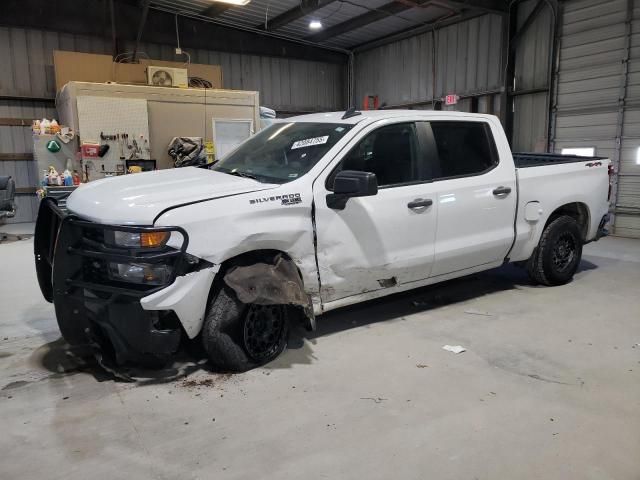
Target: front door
point(383, 240)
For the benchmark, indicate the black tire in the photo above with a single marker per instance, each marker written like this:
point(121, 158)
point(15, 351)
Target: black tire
point(559, 252)
point(226, 332)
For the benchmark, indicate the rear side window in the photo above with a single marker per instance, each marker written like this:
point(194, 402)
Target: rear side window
point(464, 149)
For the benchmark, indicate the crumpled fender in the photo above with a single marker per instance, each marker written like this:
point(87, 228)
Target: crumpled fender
point(271, 284)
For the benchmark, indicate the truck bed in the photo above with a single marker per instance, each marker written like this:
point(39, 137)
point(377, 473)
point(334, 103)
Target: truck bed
point(524, 160)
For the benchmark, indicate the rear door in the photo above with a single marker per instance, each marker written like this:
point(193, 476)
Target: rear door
point(383, 240)
point(476, 194)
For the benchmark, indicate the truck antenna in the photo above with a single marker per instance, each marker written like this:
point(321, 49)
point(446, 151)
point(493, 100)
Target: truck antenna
point(352, 112)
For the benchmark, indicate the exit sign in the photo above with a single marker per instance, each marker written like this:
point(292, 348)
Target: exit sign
point(451, 99)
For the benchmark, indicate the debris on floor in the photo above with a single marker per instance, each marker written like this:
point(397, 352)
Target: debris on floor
point(478, 312)
point(213, 381)
point(420, 365)
point(375, 399)
point(454, 348)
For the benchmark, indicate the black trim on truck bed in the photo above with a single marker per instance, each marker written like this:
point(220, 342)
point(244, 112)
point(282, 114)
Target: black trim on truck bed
point(524, 160)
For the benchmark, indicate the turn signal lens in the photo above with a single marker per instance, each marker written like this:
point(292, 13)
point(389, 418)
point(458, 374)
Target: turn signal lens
point(154, 239)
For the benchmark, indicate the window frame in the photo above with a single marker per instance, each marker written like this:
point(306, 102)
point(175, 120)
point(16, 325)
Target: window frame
point(426, 125)
point(420, 150)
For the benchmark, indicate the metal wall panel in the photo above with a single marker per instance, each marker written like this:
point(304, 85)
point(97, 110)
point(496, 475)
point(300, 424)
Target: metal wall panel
point(467, 54)
point(27, 59)
point(17, 139)
point(284, 84)
point(598, 102)
point(26, 56)
point(530, 115)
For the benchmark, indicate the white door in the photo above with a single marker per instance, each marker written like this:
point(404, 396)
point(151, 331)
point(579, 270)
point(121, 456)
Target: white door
point(382, 240)
point(476, 195)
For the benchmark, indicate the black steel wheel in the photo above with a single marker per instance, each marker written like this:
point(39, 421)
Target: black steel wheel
point(563, 252)
point(558, 254)
point(238, 337)
point(263, 326)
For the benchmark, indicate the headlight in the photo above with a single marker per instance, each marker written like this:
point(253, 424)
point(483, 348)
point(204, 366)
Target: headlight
point(140, 240)
point(142, 273)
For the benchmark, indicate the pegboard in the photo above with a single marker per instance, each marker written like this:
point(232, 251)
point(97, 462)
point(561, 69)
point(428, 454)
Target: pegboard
point(112, 116)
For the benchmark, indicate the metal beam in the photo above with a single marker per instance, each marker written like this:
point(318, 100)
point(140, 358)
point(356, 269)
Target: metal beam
point(305, 8)
point(143, 21)
point(527, 23)
point(487, 6)
point(215, 10)
point(373, 15)
point(399, 6)
point(195, 32)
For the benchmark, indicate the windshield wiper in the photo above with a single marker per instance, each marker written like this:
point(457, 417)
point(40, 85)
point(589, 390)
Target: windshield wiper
point(238, 173)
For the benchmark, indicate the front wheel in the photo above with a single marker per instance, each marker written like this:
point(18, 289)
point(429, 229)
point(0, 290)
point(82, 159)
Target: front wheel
point(238, 337)
point(559, 252)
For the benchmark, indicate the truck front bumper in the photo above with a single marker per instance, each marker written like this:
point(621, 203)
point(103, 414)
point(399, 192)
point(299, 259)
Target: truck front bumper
point(72, 263)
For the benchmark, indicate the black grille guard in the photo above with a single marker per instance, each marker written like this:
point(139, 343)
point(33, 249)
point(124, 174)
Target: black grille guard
point(72, 257)
point(60, 237)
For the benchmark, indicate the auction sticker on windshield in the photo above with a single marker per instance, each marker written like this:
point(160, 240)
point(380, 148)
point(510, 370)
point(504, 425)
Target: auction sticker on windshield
point(310, 142)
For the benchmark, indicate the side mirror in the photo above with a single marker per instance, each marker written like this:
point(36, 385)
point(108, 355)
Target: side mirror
point(351, 183)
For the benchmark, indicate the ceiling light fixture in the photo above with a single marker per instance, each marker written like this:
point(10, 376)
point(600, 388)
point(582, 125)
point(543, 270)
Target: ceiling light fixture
point(315, 24)
point(233, 2)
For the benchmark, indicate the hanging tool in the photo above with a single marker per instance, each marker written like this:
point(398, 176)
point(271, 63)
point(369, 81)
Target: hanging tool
point(120, 149)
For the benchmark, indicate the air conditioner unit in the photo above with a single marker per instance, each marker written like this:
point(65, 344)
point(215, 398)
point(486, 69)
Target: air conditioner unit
point(167, 77)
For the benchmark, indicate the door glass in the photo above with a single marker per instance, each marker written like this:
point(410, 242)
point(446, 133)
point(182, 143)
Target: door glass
point(464, 148)
point(390, 152)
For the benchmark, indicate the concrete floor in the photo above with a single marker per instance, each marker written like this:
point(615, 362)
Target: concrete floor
point(548, 388)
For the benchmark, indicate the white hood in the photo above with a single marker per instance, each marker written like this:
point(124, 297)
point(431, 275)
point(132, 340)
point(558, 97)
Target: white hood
point(137, 199)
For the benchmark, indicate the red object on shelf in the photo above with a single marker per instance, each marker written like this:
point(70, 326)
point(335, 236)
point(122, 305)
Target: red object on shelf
point(90, 150)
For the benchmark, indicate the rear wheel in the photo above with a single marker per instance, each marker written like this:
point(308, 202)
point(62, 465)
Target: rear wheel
point(559, 252)
point(238, 337)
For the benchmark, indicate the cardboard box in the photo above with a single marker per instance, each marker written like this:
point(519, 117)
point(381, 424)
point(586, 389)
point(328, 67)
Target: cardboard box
point(86, 67)
point(90, 67)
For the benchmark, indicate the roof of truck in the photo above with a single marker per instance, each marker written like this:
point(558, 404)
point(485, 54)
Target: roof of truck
point(373, 115)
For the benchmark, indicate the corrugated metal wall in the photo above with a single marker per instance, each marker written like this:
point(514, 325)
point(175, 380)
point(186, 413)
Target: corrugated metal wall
point(467, 62)
point(531, 110)
point(598, 94)
point(26, 56)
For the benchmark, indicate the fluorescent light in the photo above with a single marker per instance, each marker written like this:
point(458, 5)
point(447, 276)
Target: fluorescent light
point(638, 157)
point(315, 24)
point(581, 152)
point(233, 2)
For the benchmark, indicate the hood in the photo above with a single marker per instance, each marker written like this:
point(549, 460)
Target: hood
point(137, 199)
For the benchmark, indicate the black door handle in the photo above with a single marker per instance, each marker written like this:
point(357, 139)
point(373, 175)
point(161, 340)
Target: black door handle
point(502, 191)
point(420, 203)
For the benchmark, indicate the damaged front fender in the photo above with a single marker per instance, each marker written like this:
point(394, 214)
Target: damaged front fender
point(271, 284)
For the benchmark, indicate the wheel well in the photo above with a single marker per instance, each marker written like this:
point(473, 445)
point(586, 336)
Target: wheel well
point(248, 259)
point(578, 211)
point(243, 260)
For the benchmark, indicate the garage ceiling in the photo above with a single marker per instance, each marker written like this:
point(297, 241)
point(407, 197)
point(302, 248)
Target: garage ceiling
point(346, 24)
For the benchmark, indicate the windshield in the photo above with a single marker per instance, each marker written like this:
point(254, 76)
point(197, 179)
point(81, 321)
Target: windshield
point(283, 151)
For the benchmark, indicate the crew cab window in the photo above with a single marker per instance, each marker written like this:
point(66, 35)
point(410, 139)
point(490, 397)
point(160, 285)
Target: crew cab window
point(391, 152)
point(464, 148)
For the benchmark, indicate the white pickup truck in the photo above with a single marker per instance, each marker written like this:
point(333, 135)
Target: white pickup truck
point(313, 213)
